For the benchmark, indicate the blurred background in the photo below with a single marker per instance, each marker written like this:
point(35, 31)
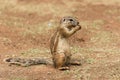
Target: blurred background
point(26, 27)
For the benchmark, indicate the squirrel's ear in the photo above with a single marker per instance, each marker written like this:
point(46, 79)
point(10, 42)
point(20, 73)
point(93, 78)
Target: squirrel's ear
point(62, 20)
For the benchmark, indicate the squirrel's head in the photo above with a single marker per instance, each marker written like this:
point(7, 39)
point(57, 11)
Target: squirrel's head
point(69, 21)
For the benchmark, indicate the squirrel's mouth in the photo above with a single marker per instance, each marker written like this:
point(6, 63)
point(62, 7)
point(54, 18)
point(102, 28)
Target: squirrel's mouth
point(74, 25)
point(77, 23)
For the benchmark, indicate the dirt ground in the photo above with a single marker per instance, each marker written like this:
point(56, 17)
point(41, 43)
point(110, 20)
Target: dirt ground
point(26, 26)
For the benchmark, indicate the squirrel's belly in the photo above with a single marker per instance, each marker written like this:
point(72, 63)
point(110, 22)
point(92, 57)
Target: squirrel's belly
point(63, 47)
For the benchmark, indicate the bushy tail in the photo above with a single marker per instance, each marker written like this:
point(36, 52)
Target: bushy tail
point(27, 61)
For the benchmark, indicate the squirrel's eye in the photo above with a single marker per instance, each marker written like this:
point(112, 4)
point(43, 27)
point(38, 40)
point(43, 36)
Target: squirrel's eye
point(71, 19)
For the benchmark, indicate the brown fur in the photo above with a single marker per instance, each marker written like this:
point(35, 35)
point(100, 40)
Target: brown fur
point(59, 46)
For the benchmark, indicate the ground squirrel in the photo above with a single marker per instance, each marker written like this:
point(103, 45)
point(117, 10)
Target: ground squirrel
point(59, 46)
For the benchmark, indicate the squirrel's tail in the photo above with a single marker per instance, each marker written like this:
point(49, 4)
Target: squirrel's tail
point(27, 61)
